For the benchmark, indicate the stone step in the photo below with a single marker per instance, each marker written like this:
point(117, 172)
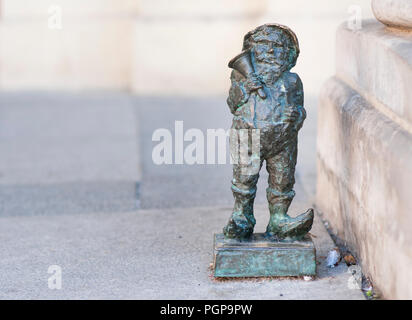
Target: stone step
point(363, 185)
point(377, 62)
point(395, 13)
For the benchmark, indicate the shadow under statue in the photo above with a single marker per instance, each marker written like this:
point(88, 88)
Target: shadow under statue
point(266, 101)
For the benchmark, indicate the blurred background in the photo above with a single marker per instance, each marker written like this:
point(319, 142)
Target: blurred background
point(84, 73)
point(155, 47)
point(84, 84)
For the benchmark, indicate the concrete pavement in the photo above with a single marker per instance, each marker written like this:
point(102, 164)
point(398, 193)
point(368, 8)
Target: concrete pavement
point(65, 153)
point(107, 248)
point(149, 254)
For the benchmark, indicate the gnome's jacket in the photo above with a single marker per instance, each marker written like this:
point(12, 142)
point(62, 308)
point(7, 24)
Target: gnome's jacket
point(253, 112)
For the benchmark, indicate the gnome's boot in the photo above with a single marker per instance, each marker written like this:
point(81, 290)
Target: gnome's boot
point(242, 221)
point(281, 225)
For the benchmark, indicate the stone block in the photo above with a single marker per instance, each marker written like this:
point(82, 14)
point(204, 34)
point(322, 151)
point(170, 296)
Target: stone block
point(90, 54)
point(206, 36)
point(396, 13)
point(364, 183)
point(378, 63)
point(193, 62)
point(180, 47)
point(262, 258)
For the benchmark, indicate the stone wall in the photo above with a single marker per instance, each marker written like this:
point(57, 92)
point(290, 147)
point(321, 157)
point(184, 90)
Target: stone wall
point(91, 50)
point(178, 47)
point(365, 149)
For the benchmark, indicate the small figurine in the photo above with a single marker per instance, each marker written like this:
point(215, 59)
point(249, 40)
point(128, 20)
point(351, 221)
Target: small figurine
point(265, 95)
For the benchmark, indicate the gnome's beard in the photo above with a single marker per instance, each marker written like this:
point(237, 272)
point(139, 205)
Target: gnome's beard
point(269, 72)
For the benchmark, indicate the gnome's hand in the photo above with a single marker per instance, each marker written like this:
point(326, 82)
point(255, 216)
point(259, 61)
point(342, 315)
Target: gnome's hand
point(254, 83)
point(290, 114)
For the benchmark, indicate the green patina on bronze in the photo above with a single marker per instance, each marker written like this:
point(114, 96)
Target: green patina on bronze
point(259, 257)
point(267, 97)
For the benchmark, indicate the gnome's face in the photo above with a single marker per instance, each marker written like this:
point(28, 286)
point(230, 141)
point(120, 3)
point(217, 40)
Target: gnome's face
point(270, 57)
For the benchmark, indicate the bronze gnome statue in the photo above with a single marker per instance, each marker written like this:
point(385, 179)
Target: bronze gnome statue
point(266, 96)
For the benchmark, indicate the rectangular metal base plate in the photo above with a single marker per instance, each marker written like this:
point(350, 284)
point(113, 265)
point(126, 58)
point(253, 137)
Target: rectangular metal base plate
point(259, 257)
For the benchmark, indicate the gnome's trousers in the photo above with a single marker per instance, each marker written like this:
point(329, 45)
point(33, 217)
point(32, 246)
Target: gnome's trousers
point(281, 169)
